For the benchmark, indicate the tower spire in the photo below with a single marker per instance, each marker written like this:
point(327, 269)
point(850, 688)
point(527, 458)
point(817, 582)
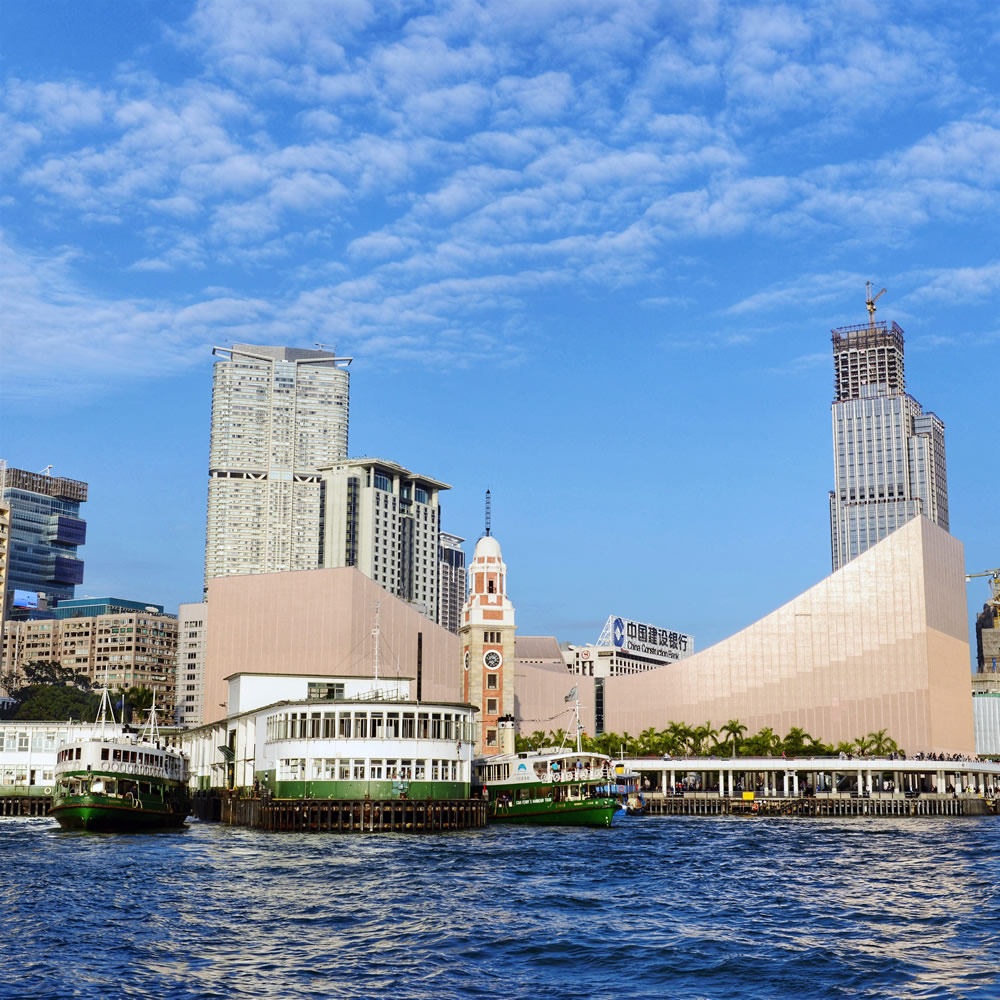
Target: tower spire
point(488, 512)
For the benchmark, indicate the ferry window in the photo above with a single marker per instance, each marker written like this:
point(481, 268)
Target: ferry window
point(329, 769)
point(116, 755)
point(359, 770)
point(375, 771)
point(491, 681)
point(314, 724)
point(104, 753)
point(435, 770)
point(420, 771)
point(406, 770)
point(361, 725)
point(392, 769)
point(344, 770)
point(423, 726)
point(78, 753)
point(409, 726)
point(377, 724)
point(329, 725)
point(436, 726)
point(22, 741)
point(448, 730)
point(345, 725)
point(392, 725)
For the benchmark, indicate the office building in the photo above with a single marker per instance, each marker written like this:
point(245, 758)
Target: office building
point(122, 649)
point(451, 581)
point(889, 458)
point(45, 531)
point(278, 415)
point(385, 521)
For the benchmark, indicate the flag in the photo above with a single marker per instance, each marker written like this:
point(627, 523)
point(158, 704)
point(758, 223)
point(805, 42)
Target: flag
point(571, 695)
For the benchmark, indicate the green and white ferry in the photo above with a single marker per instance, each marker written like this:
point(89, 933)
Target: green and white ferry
point(121, 783)
point(560, 787)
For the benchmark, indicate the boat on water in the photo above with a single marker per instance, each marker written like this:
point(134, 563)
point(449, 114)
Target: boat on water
point(561, 787)
point(121, 782)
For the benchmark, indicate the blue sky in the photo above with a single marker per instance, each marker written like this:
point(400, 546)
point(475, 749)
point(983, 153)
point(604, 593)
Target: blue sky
point(586, 255)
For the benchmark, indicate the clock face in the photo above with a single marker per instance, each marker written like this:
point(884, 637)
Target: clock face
point(492, 659)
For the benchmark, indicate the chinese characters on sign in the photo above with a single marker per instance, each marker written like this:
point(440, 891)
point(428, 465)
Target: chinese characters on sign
point(648, 640)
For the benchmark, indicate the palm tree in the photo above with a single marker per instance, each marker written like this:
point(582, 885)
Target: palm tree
point(648, 741)
point(735, 729)
point(882, 744)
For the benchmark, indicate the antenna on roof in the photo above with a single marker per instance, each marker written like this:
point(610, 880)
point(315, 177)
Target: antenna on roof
point(488, 516)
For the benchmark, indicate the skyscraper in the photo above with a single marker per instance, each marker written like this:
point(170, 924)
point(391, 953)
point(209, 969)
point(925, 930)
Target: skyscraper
point(278, 414)
point(386, 521)
point(889, 460)
point(45, 531)
point(451, 589)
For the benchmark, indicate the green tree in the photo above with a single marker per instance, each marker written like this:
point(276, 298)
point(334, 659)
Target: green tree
point(55, 703)
point(881, 743)
point(735, 729)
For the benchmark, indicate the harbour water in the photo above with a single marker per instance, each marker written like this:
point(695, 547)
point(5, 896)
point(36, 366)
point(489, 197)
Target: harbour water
point(655, 907)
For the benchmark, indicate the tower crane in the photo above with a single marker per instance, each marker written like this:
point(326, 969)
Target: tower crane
point(870, 302)
point(994, 603)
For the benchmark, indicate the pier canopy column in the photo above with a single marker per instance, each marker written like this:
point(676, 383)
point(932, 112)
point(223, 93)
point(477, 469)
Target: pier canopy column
point(784, 784)
point(869, 787)
point(673, 781)
point(732, 790)
point(940, 785)
point(795, 783)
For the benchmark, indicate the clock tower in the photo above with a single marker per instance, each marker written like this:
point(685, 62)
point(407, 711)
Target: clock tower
point(486, 636)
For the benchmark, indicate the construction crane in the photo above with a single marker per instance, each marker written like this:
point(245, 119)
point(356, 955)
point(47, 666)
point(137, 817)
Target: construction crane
point(870, 303)
point(994, 575)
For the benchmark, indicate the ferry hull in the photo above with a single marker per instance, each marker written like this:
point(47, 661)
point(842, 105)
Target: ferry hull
point(92, 814)
point(588, 812)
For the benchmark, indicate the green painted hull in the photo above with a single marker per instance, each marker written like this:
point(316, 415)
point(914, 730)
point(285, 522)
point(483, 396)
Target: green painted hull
point(103, 814)
point(586, 812)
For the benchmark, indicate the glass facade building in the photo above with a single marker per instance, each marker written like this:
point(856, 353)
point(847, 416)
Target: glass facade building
point(889, 456)
point(45, 532)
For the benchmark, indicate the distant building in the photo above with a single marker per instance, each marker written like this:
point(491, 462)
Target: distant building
point(89, 607)
point(192, 640)
point(123, 649)
point(451, 581)
point(4, 558)
point(385, 521)
point(278, 415)
point(45, 531)
point(889, 457)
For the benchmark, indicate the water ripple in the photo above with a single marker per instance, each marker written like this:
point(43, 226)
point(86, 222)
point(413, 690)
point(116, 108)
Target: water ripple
point(667, 908)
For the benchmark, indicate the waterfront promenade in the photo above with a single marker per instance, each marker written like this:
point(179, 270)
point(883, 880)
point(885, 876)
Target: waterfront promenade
point(819, 786)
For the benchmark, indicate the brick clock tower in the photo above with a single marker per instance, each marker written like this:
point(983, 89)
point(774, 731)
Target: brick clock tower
point(486, 635)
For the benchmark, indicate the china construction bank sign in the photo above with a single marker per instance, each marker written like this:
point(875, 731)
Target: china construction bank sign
point(648, 640)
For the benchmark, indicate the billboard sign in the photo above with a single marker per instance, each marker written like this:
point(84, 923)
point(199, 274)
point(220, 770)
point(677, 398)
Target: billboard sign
point(26, 599)
point(650, 641)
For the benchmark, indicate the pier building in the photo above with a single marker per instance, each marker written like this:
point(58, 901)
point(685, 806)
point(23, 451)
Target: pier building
point(334, 737)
